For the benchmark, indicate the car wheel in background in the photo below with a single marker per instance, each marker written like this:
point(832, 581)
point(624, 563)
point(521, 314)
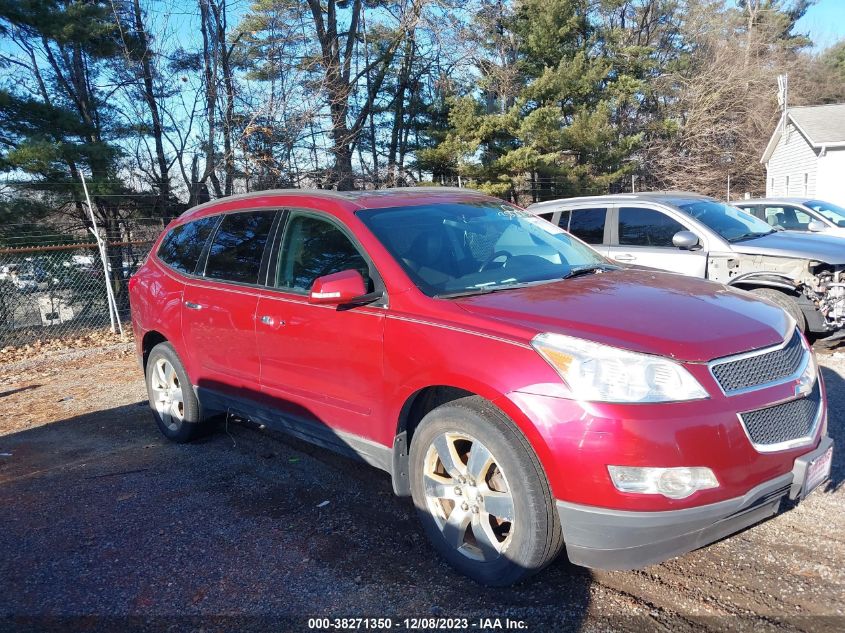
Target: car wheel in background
point(784, 301)
point(172, 399)
point(481, 493)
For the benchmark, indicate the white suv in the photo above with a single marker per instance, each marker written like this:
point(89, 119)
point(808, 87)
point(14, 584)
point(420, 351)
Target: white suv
point(702, 237)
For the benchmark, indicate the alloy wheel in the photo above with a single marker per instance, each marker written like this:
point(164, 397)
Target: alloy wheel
point(167, 394)
point(468, 495)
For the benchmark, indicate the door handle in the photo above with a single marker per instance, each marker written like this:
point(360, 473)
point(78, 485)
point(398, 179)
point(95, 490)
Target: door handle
point(624, 258)
point(193, 306)
point(268, 320)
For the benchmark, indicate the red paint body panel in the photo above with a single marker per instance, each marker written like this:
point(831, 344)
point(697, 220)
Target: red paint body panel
point(329, 363)
point(657, 313)
point(354, 370)
point(222, 331)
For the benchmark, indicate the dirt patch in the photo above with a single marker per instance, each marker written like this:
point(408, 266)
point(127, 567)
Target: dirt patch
point(103, 517)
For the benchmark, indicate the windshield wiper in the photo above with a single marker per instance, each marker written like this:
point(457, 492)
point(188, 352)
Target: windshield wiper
point(467, 292)
point(586, 270)
point(748, 236)
point(483, 290)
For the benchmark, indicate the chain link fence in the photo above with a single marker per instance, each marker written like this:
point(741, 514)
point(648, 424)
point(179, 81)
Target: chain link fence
point(59, 290)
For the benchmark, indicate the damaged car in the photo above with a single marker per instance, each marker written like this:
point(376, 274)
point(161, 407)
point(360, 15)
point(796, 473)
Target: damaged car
point(702, 237)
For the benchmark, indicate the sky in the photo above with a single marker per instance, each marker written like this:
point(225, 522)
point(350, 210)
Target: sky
point(825, 23)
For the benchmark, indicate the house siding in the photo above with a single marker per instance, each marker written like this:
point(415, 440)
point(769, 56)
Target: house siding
point(831, 176)
point(794, 158)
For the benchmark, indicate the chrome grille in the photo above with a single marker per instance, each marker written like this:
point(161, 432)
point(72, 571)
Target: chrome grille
point(783, 425)
point(762, 368)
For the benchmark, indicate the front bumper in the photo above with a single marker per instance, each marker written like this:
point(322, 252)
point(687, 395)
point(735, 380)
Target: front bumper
point(603, 538)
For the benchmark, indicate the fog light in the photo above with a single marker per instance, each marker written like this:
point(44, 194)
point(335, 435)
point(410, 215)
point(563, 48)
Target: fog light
point(675, 483)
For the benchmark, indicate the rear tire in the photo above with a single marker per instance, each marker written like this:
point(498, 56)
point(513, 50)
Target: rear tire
point(481, 493)
point(172, 399)
point(786, 303)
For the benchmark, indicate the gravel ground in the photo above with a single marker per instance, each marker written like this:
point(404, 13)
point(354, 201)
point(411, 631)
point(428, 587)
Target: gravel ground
point(106, 526)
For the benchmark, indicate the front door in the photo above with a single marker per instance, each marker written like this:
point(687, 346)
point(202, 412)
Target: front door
point(319, 362)
point(644, 238)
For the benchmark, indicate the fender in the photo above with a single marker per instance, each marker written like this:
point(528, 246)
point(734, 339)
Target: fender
point(463, 384)
point(766, 280)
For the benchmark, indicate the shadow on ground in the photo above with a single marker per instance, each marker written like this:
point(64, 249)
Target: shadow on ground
point(835, 386)
point(110, 519)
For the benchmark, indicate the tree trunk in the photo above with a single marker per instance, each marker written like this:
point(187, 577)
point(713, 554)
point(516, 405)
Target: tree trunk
point(152, 104)
point(399, 100)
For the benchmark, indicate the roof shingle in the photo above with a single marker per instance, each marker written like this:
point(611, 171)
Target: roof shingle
point(822, 124)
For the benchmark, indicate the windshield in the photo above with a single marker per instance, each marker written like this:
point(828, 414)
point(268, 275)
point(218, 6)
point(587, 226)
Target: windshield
point(477, 246)
point(832, 212)
point(729, 222)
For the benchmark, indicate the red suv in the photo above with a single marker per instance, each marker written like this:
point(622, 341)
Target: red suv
point(528, 393)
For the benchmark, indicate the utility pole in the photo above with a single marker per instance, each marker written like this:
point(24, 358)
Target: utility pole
point(110, 300)
point(783, 99)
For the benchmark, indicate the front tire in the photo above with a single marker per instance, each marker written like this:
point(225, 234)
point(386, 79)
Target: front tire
point(481, 494)
point(172, 399)
point(785, 302)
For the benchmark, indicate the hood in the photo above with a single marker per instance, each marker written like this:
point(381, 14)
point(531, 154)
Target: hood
point(829, 249)
point(652, 312)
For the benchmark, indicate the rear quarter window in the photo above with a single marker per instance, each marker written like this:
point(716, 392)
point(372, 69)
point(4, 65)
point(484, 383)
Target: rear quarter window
point(182, 246)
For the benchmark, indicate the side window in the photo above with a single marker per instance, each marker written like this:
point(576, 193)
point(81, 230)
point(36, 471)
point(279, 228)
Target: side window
point(563, 220)
point(546, 216)
point(238, 246)
point(788, 217)
point(757, 212)
point(586, 224)
point(646, 227)
point(182, 247)
point(313, 248)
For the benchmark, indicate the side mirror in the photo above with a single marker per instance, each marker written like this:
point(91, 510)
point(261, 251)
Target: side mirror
point(816, 226)
point(685, 240)
point(338, 288)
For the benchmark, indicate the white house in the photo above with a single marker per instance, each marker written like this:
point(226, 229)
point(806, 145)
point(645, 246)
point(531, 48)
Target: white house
point(806, 154)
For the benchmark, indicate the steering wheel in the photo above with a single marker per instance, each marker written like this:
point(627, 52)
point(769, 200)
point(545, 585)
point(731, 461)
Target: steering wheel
point(507, 255)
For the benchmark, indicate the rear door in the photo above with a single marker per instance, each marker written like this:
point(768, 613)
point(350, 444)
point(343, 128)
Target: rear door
point(644, 237)
point(219, 305)
point(321, 363)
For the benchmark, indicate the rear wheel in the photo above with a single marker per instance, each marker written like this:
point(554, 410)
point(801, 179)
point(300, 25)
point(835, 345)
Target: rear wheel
point(785, 302)
point(172, 399)
point(481, 494)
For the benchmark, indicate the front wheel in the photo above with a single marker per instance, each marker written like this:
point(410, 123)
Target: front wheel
point(481, 494)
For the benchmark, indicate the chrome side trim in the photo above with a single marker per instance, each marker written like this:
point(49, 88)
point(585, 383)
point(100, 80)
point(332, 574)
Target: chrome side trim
point(760, 352)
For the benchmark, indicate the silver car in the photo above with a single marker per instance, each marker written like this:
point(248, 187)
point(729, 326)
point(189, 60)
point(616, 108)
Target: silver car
point(702, 237)
point(798, 214)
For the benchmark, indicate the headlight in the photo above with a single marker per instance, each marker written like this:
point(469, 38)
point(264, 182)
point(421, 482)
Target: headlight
point(601, 373)
point(675, 483)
